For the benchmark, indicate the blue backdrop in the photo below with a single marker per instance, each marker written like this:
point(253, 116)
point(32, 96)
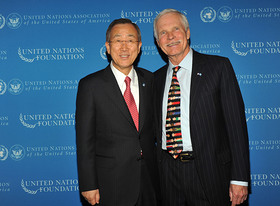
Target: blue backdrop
point(47, 46)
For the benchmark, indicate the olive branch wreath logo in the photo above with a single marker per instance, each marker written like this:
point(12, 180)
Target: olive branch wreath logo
point(238, 52)
point(25, 124)
point(24, 58)
point(32, 192)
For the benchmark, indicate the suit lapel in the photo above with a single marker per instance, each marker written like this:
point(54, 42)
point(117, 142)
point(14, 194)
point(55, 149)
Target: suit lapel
point(198, 73)
point(113, 91)
point(160, 85)
point(162, 81)
point(142, 98)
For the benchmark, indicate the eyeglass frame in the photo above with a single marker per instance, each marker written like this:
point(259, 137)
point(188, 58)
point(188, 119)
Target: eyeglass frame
point(129, 42)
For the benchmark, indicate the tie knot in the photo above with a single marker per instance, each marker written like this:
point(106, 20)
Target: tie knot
point(176, 69)
point(127, 80)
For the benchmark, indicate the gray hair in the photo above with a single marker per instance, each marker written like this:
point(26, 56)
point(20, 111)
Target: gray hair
point(167, 11)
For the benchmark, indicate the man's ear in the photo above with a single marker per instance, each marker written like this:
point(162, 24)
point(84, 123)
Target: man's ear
point(107, 44)
point(188, 34)
point(139, 47)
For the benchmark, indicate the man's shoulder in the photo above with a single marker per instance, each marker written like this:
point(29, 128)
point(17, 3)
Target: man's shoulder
point(161, 70)
point(144, 72)
point(208, 57)
point(93, 76)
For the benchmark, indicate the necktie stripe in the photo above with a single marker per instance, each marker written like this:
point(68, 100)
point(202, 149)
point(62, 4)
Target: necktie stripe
point(129, 99)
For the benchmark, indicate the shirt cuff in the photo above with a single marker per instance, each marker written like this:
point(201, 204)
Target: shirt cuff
point(241, 183)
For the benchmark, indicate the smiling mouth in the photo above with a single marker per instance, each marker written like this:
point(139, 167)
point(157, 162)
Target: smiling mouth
point(124, 56)
point(173, 44)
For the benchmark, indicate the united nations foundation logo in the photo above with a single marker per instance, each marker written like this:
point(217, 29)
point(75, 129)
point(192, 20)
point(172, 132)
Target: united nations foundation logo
point(256, 47)
point(33, 187)
point(2, 21)
point(103, 52)
point(3, 87)
point(47, 120)
point(138, 17)
point(144, 16)
point(265, 180)
point(208, 14)
point(3, 153)
point(15, 86)
point(17, 152)
point(225, 14)
point(14, 21)
point(51, 54)
point(262, 114)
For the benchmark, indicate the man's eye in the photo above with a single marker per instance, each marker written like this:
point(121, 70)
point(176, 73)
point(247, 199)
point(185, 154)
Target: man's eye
point(118, 41)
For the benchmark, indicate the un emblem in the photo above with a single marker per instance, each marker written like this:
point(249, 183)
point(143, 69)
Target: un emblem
point(103, 52)
point(14, 21)
point(3, 153)
point(3, 87)
point(2, 21)
point(15, 86)
point(225, 14)
point(208, 14)
point(17, 152)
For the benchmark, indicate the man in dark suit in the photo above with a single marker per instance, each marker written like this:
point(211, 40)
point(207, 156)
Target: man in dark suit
point(114, 126)
point(203, 152)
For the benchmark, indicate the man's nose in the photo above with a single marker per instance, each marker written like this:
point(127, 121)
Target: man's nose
point(170, 35)
point(124, 45)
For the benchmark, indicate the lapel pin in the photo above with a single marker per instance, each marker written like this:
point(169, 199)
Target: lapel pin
point(199, 74)
point(143, 84)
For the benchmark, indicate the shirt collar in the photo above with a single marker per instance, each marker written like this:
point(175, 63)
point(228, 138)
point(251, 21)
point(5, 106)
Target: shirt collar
point(120, 77)
point(186, 63)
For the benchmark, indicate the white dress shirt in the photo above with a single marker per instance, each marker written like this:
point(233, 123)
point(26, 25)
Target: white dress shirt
point(184, 78)
point(120, 77)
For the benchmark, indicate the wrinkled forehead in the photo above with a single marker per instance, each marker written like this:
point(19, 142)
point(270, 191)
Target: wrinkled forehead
point(169, 18)
point(124, 31)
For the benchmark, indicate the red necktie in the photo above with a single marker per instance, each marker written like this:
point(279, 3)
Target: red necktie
point(131, 102)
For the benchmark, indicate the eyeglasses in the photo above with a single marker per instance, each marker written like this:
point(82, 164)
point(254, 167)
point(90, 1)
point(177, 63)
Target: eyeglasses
point(129, 42)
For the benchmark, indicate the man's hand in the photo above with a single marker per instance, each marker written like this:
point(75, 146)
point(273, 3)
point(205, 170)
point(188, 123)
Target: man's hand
point(238, 194)
point(92, 196)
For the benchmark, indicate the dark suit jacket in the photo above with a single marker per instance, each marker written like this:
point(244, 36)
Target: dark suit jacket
point(217, 124)
point(108, 143)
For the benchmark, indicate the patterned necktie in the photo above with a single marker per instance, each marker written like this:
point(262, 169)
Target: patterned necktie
point(131, 102)
point(174, 142)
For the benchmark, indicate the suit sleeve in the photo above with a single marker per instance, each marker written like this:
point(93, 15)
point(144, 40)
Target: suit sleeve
point(235, 120)
point(85, 137)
